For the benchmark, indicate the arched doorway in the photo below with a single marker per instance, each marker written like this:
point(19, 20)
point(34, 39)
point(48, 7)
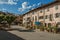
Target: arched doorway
point(58, 25)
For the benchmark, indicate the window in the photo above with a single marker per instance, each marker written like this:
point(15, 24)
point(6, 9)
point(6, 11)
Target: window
point(32, 18)
point(46, 16)
point(40, 11)
point(32, 12)
point(57, 15)
point(49, 25)
point(56, 7)
point(27, 14)
point(41, 17)
point(24, 19)
point(28, 19)
point(45, 24)
point(57, 25)
point(35, 18)
point(50, 17)
point(47, 9)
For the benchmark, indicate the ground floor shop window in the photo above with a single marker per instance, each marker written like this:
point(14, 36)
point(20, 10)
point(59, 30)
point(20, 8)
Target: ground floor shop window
point(58, 24)
point(49, 24)
point(45, 24)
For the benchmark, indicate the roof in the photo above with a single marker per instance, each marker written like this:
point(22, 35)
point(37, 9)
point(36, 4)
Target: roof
point(43, 6)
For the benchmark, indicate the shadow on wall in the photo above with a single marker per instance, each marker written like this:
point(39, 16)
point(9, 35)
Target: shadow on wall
point(4, 35)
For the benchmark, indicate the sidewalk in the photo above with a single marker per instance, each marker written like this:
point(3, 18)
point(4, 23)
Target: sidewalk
point(35, 35)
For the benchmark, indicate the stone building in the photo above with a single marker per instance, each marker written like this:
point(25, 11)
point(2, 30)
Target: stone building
point(48, 15)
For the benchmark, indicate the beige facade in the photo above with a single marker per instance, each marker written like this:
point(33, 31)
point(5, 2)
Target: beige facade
point(48, 14)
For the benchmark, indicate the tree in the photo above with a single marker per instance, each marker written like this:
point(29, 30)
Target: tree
point(10, 19)
point(1, 18)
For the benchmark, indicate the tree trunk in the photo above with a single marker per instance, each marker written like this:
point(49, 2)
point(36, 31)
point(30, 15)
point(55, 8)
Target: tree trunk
point(9, 26)
point(0, 26)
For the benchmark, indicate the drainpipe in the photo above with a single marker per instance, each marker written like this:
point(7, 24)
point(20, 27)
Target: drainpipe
point(44, 17)
point(53, 19)
point(38, 17)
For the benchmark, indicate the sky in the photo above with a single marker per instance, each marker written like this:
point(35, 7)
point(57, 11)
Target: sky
point(21, 6)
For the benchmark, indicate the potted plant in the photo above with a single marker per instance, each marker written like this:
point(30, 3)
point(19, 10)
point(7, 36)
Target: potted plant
point(47, 29)
point(50, 29)
point(54, 29)
point(42, 28)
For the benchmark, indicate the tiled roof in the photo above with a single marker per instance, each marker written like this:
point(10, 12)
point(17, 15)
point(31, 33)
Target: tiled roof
point(43, 6)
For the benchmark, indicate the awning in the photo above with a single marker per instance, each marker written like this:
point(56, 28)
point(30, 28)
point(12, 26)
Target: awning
point(37, 23)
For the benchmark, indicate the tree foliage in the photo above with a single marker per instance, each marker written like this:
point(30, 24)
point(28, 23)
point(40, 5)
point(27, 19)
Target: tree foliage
point(8, 18)
point(1, 18)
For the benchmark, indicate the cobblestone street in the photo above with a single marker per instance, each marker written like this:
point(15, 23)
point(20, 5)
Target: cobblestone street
point(31, 35)
point(29, 19)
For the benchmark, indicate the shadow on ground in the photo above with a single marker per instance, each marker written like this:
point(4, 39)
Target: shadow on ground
point(4, 35)
point(22, 30)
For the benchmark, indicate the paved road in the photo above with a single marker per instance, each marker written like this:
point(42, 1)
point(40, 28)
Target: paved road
point(31, 35)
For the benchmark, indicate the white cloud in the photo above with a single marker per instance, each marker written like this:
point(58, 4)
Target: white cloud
point(11, 2)
point(21, 9)
point(25, 6)
point(3, 9)
point(39, 3)
point(29, 7)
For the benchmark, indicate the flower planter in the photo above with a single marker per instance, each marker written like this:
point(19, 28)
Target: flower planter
point(41, 29)
point(47, 30)
point(54, 30)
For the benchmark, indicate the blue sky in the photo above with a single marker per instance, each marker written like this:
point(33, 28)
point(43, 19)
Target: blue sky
point(21, 6)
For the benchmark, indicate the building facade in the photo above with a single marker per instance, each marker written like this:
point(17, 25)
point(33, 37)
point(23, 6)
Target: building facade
point(19, 20)
point(48, 15)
